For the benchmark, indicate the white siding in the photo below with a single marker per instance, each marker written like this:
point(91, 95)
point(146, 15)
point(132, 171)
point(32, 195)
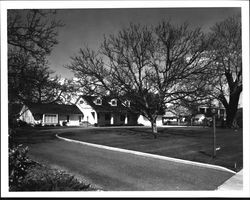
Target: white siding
point(26, 115)
point(73, 119)
point(90, 115)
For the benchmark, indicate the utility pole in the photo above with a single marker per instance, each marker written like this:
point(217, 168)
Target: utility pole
point(214, 133)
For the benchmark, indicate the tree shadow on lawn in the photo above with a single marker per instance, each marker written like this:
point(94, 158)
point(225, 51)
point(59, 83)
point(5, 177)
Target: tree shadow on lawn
point(32, 135)
point(163, 132)
point(196, 145)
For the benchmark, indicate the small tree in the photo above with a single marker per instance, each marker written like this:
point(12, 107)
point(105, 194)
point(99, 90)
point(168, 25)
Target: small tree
point(148, 66)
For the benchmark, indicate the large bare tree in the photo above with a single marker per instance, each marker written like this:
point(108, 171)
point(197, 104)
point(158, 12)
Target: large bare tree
point(226, 52)
point(32, 34)
point(152, 67)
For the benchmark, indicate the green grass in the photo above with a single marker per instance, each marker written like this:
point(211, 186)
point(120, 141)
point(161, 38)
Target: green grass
point(195, 144)
point(190, 143)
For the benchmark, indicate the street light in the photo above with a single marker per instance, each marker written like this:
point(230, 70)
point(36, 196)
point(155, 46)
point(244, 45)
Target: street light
point(214, 133)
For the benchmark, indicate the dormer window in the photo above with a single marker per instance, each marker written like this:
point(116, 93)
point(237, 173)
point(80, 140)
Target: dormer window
point(98, 101)
point(127, 103)
point(113, 102)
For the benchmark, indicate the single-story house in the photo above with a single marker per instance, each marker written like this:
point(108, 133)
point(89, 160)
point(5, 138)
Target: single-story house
point(199, 119)
point(51, 114)
point(104, 111)
point(220, 111)
point(170, 118)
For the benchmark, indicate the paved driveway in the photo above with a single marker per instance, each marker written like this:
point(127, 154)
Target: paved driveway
point(119, 171)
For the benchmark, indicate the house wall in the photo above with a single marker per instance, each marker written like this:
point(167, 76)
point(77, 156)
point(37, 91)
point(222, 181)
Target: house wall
point(117, 119)
point(132, 119)
point(143, 120)
point(102, 121)
point(26, 116)
point(73, 119)
point(99, 117)
point(89, 114)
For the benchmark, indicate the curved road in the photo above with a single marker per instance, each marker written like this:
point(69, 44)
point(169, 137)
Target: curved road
point(118, 171)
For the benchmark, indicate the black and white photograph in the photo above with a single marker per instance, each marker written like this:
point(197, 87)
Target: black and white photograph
point(125, 99)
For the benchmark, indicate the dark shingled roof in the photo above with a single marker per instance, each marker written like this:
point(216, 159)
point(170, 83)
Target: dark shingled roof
point(105, 106)
point(53, 108)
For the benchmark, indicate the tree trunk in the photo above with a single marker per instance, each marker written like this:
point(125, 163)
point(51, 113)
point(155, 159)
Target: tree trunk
point(232, 108)
point(231, 113)
point(154, 128)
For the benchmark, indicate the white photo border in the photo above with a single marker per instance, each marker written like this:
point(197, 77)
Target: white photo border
point(123, 4)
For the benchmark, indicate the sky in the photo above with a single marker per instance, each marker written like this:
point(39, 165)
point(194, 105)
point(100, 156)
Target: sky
point(87, 27)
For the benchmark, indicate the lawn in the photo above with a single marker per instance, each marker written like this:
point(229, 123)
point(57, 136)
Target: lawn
point(190, 143)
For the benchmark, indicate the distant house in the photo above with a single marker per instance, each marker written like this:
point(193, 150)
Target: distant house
point(51, 114)
point(143, 120)
point(170, 118)
point(103, 111)
point(220, 111)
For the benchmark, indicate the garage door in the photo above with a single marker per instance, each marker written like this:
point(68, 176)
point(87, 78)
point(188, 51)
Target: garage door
point(50, 119)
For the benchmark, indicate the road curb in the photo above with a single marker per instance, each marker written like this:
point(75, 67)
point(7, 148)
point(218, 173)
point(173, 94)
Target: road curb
point(149, 155)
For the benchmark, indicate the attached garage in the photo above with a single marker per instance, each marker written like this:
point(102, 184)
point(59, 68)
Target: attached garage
point(51, 114)
point(50, 118)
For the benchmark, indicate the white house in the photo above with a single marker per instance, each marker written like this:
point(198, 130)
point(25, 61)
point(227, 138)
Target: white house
point(104, 111)
point(143, 120)
point(51, 114)
point(220, 111)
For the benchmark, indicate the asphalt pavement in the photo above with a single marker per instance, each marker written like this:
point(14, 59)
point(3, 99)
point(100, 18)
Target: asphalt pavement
point(119, 171)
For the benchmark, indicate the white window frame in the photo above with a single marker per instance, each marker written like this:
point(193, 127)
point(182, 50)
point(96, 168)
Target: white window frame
point(127, 103)
point(50, 114)
point(113, 101)
point(96, 101)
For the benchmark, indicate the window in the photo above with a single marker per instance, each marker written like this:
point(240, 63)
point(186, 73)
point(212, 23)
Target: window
point(127, 103)
point(99, 101)
point(50, 119)
point(107, 116)
point(113, 102)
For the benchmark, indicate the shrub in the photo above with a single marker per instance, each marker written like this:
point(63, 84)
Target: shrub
point(42, 178)
point(64, 123)
point(12, 133)
point(21, 123)
point(38, 125)
point(18, 165)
